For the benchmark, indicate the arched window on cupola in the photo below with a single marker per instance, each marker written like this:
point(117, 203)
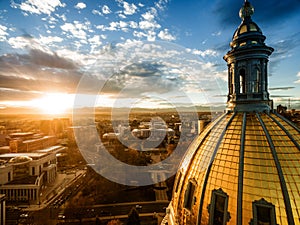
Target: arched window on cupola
point(256, 80)
point(232, 80)
point(242, 75)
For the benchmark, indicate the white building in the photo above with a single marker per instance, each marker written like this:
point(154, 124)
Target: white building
point(23, 174)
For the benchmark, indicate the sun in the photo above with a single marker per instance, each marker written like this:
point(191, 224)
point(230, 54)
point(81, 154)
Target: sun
point(54, 103)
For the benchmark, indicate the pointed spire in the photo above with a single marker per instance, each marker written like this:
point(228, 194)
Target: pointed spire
point(246, 11)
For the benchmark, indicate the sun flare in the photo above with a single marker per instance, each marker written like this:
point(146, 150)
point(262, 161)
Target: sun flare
point(54, 103)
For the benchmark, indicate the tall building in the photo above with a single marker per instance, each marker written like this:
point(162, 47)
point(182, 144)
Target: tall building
point(244, 167)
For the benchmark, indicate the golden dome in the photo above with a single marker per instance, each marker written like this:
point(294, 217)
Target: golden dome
point(245, 28)
point(244, 167)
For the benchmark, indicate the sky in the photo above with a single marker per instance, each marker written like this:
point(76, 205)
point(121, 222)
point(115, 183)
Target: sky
point(152, 54)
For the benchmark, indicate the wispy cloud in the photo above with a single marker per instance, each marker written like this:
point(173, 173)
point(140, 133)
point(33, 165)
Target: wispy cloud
point(284, 49)
point(7, 94)
point(280, 88)
point(205, 53)
point(298, 78)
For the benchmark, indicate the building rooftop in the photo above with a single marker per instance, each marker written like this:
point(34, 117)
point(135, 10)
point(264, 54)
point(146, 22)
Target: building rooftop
point(27, 180)
point(33, 155)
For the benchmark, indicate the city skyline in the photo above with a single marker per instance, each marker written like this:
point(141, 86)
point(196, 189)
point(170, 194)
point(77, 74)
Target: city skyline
point(145, 54)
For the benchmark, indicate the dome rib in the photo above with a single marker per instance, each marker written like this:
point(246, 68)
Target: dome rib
point(241, 173)
point(210, 165)
point(284, 189)
point(287, 121)
point(286, 131)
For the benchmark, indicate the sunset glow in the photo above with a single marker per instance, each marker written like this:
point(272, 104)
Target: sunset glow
point(138, 49)
point(54, 103)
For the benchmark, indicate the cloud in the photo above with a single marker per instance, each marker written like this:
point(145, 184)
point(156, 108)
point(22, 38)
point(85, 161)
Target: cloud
point(217, 33)
point(280, 88)
point(154, 69)
point(105, 9)
point(166, 36)
point(205, 53)
point(62, 16)
point(139, 79)
point(121, 25)
point(38, 7)
point(145, 69)
point(281, 96)
point(38, 85)
point(46, 40)
point(80, 5)
point(37, 71)
point(148, 20)
point(130, 69)
point(298, 77)
point(26, 42)
point(150, 15)
point(76, 29)
point(161, 4)
point(95, 42)
point(38, 54)
point(96, 12)
point(129, 9)
point(50, 60)
point(283, 49)
point(146, 28)
point(7, 94)
point(147, 25)
point(3, 32)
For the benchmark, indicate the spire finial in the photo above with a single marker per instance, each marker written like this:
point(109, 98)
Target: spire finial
point(247, 10)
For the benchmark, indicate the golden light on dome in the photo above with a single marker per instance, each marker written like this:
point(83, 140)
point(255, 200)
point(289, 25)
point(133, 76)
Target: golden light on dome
point(244, 167)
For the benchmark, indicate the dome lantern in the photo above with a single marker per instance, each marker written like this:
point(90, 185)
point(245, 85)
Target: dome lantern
point(247, 63)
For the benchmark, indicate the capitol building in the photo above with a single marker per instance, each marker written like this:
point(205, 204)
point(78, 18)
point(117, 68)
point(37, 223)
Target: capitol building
point(244, 168)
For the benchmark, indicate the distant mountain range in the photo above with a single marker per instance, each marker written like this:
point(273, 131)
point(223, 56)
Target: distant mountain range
point(101, 110)
point(27, 110)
